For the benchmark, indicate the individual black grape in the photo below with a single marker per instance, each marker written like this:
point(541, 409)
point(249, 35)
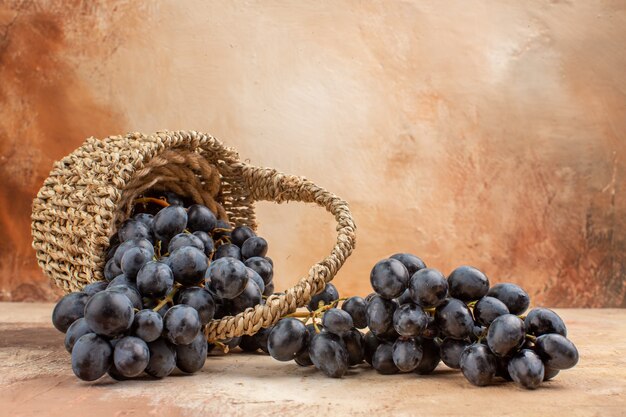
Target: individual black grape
point(382, 360)
point(451, 350)
point(200, 218)
point(115, 374)
point(227, 277)
point(406, 354)
point(77, 329)
point(111, 269)
point(327, 296)
point(549, 373)
point(467, 283)
point(411, 262)
point(526, 369)
point(133, 229)
point(130, 244)
point(131, 356)
point(173, 199)
point(249, 344)
point(380, 312)
point(409, 320)
point(240, 234)
point(370, 344)
point(169, 222)
point(200, 299)
point(556, 351)
point(181, 324)
point(353, 340)
point(228, 250)
point(162, 358)
point(513, 296)
point(69, 309)
point(254, 246)
point(487, 309)
point(329, 354)
point(269, 289)
point(262, 267)
point(154, 279)
point(430, 357)
point(303, 358)
point(261, 338)
point(95, 287)
point(428, 287)
point(542, 321)
point(288, 337)
point(147, 325)
point(190, 358)
point(389, 278)
point(478, 364)
point(145, 218)
point(404, 298)
point(337, 321)
point(112, 249)
point(357, 308)
point(249, 297)
point(133, 260)
point(188, 265)
point(185, 239)
point(109, 313)
point(256, 278)
point(207, 243)
point(454, 319)
point(91, 357)
point(130, 292)
point(506, 335)
point(121, 280)
point(502, 368)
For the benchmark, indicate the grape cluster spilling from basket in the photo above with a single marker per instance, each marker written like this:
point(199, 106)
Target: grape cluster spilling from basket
point(171, 269)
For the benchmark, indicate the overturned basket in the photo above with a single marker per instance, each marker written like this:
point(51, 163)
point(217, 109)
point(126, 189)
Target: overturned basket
point(90, 192)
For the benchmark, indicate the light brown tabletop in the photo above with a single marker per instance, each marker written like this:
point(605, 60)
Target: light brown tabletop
point(36, 380)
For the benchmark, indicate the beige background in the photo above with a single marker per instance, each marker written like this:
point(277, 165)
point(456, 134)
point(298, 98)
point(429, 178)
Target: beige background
point(488, 133)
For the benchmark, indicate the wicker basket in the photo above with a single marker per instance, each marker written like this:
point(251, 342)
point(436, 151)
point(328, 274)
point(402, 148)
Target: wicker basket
point(90, 192)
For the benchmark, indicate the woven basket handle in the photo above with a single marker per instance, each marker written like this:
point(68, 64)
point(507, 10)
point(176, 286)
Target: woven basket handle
point(271, 185)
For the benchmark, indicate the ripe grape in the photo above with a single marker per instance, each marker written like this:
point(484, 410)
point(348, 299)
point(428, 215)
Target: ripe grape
point(329, 354)
point(254, 246)
point(131, 292)
point(185, 239)
point(131, 356)
point(380, 312)
point(357, 308)
point(430, 357)
point(133, 260)
point(228, 250)
point(542, 321)
point(133, 229)
point(487, 309)
point(188, 265)
point(327, 296)
point(514, 297)
point(145, 218)
point(162, 358)
point(454, 319)
point(69, 309)
point(240, 234)
point(370, 344)
point(451, 350)
point(200, 218)
point(556, 351)
point(147, 325)
point(181, 324)
point(262, 267)
point(337, 321)
point(227, 277)
point(256, 278)
point(411, 262)
point(428, 287)
point(121, 280)
point(382, 360)
point(249, 297)
point(549, 373)
point(190, 358)
point(526, 369)
point(91, 357)
point(478, 364)
point(353, 340)
point(154, 279)
point(75, 332)
point(95, 287)
point(409, 320)
point(109, 313)
point(207, 242)
point(506, 334)
point(269, 289)
point(389, 278)
point(200, 299)
point(130, 244)
point(288, 337)
point(467, 283)
point(406, 354)
point(169, 222)
point(111, 269)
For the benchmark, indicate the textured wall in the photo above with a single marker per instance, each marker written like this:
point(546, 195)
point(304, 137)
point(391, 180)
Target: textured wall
point(492, 135)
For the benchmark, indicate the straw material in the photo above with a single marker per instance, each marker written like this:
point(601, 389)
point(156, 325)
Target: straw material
point(90, 192)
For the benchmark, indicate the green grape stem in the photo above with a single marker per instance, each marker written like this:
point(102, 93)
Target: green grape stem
point(168, 298)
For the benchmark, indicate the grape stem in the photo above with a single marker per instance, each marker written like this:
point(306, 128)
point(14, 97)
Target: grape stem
point(157, 201)
point(168, 298)
point(531, 337)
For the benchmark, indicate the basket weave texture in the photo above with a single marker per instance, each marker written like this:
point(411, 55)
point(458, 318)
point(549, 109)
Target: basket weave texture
point(90, 192)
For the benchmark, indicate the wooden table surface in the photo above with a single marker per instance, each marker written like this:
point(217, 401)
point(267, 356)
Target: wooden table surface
point(36, 380)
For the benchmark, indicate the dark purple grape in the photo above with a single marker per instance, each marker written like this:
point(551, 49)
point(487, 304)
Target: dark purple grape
point(111, 250)
point(428, 287)
point(409, 320)
point(169, 222)
point(249, 344)
point(185, 239)
point(542, 321)
point(253, 247)
point(145, 218)
point(173, 199)
point(200, 218)
point(131, 356)
point(95, 287)
point(130, 292)
point(228, 250)
point(467, 283)
point(162, 358)
point(549, 373)
point(190, 358)
point(130, 244)
point(147, 325)
point(382, 360)
point(207, 243)
point(288, 337)
point(337, 321)
point(451, 350)
point(240, 234)
point(250, 297)
point(115, 374)
point(502, 368)
point(227, 277)
point(133, 229)
point(454, 319)
point(406, 354)
point(411, 262)
point(405, 297)
point(478, 364)
point(109, 313)
point(303, 358)
point(380, 312)
point(262, 267)
point(69, 309)
point(154, 279)
point(111, 269)
point(91, 357)
point(256, 278)
point(133, 260)
point(353, 340)
point(513, 296)
point(121, 280)
point(78, 329)
point(389, 278)
point(357, 308)
point(327, 296)
point(188, 265)
point(329, 354)
point(556, 351)
point(181, 324)
point(487, 309)
point(430, 357)
point(370, 344)
point(261, 338)
point(506, 335)
point(200, 299)
point(269, 289)
point(526, 369)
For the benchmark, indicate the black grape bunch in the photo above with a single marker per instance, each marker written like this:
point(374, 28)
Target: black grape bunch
point(418, 318)
point(171, 268)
